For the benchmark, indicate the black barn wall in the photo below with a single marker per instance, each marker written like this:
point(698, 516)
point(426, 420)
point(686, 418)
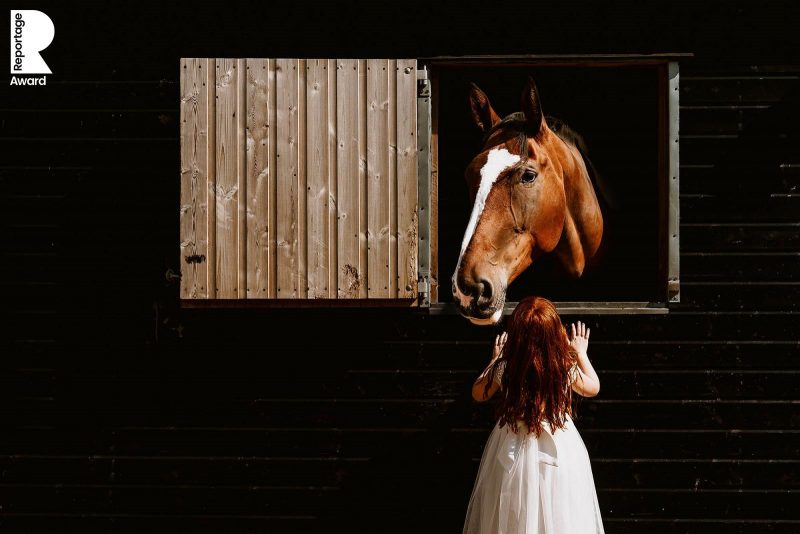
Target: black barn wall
point(123, 413)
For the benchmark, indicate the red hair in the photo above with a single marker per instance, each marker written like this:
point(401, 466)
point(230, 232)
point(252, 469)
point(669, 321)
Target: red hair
point(538, 359)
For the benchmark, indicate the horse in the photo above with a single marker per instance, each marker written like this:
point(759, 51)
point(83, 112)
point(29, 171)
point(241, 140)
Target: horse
point(532, 194)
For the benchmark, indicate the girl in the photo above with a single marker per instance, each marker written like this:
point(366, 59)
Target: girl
point(535, 475)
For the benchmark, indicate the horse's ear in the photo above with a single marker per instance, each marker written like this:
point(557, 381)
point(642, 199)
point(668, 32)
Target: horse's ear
point(482, 112)
point(532, 107)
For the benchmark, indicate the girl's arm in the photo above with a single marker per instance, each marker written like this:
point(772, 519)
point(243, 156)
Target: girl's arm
point(587, 383)
point(479, 391)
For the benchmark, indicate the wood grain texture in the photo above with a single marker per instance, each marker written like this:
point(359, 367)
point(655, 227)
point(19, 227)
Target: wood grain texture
point(391, 70)
point(378, 199)
point(260, 201)
point(318, 171)
point(288, 161)
point(302, 182)
point(349, 267)
point(194, 172)
point(227, 184)
point(241, 178)
point(272, 117)
point(434, 194)
point(211, 179)
point(406, 183)
point(333, 152)
point(363, 222)
point(286, 143)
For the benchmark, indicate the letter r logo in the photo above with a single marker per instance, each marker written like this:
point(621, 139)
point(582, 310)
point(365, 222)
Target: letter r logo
point(31, 32)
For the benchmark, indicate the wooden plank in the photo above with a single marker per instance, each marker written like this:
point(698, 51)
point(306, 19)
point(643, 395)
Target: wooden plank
point(259, 198)
point(377, 178)
point(211, 181)
point(407, 178)
point(272, 117)
point(736, 90)
point(657, 357)
point(349, 271)
point(733, 267)
point(450, 383)
point(732, 151)
point(241, 179)
point(106, 152)
point(96, 122)
point(740, 238)
point(302, 184)
point(286, 78)
point(740, 296)
point(314, 443)
point(774, 178)
point(261, 499)
point(194, 196)
point(724, 207)
point(199, 410)
point(391, 72)
point(199, 524)
point(362, 179)
point(434, 191)
point(333, 229)
point(317, 210)
point(297, 304)
point(227, 179)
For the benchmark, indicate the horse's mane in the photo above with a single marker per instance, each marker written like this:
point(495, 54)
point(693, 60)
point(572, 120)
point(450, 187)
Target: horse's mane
point(514, 121)
point(517, 121)
point(567, 134)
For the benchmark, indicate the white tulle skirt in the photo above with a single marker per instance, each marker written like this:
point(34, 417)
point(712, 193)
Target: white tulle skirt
point(530, 485)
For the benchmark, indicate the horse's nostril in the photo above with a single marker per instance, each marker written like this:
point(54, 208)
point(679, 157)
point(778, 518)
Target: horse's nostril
point(484, 289)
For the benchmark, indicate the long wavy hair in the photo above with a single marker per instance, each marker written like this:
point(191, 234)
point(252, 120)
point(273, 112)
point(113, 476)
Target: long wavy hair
point(538, 360)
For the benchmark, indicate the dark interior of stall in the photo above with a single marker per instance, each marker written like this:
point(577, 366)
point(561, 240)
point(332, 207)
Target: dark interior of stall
point(616, 111)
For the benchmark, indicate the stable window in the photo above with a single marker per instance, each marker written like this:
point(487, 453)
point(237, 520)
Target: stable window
point(625, 110)
point(342, 181)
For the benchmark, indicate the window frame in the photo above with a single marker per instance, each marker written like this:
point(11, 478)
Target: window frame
point(668, 72)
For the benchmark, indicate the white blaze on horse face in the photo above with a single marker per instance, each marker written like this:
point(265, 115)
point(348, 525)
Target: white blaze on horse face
point(498, 160)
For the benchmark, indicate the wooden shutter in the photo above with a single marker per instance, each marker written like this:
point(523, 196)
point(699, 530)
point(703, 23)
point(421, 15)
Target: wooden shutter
point(298, 179)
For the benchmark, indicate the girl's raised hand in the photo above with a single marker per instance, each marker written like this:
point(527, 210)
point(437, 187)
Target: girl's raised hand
point(499, 343)
point(579, 337)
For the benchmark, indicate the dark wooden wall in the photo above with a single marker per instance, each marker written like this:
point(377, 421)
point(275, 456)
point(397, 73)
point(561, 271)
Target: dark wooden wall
point(123, 413)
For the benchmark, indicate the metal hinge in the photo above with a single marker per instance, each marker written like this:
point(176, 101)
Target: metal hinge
point(423, 186)
point(674, 290)
point(423, 291)
point(423, 83)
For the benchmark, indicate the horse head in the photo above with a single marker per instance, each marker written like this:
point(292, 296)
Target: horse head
point(532, 195)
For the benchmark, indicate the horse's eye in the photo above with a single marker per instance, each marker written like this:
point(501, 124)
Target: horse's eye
point(528, 176)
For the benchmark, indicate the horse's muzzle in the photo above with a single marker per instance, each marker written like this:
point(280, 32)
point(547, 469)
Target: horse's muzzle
point(485, 317)
point(483, 305)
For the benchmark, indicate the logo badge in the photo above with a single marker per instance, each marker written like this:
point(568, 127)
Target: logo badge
point(31, 32)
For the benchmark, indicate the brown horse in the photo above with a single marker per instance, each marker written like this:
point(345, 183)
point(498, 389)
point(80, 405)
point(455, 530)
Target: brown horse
point(532, 196)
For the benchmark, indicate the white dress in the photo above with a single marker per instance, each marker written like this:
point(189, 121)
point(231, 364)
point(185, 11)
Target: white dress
point(530, 485)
